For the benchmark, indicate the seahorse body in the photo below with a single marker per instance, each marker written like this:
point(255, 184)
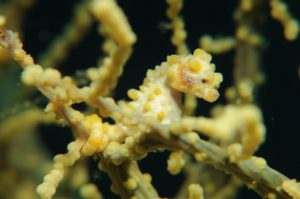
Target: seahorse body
point(159, 95)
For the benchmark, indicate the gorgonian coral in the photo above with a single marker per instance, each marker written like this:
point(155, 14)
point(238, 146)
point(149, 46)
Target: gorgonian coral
point(160, 115)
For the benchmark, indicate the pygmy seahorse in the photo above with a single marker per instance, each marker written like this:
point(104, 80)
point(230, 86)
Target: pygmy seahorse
point(159, 95)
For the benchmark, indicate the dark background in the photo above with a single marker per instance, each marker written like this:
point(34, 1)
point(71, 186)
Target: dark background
point(278, 97)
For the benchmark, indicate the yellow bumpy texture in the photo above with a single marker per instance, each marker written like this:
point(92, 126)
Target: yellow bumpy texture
point(194, 74)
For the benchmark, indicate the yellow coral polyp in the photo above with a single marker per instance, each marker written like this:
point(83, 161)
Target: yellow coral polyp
point(175, 162)
point(98, 135)
point(195, 191)
point(130, 184)
point(30, 74)
point(157, 91)
point(195, 66)
point(161, 115)
point(147, 107)
point(200, 53)
point(19, 54)
point(133, 94)
point(280, 12)
point(151, 97)
point(172, 59)
point(211, 95)
point(90, 120)
point(95, 142)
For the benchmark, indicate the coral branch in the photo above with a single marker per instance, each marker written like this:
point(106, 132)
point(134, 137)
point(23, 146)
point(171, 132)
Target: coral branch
point(117, 28)
point(280, 12)
point(128, 181)
point(254, 172)
point(61, 163)
point(216, 153)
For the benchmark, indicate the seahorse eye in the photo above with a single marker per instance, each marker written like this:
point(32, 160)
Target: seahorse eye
point(204, 80)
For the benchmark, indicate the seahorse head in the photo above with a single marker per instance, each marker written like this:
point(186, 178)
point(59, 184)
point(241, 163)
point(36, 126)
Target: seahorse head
point(194, 74)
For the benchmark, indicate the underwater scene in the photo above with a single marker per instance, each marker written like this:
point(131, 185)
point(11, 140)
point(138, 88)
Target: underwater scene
point(155, 99)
